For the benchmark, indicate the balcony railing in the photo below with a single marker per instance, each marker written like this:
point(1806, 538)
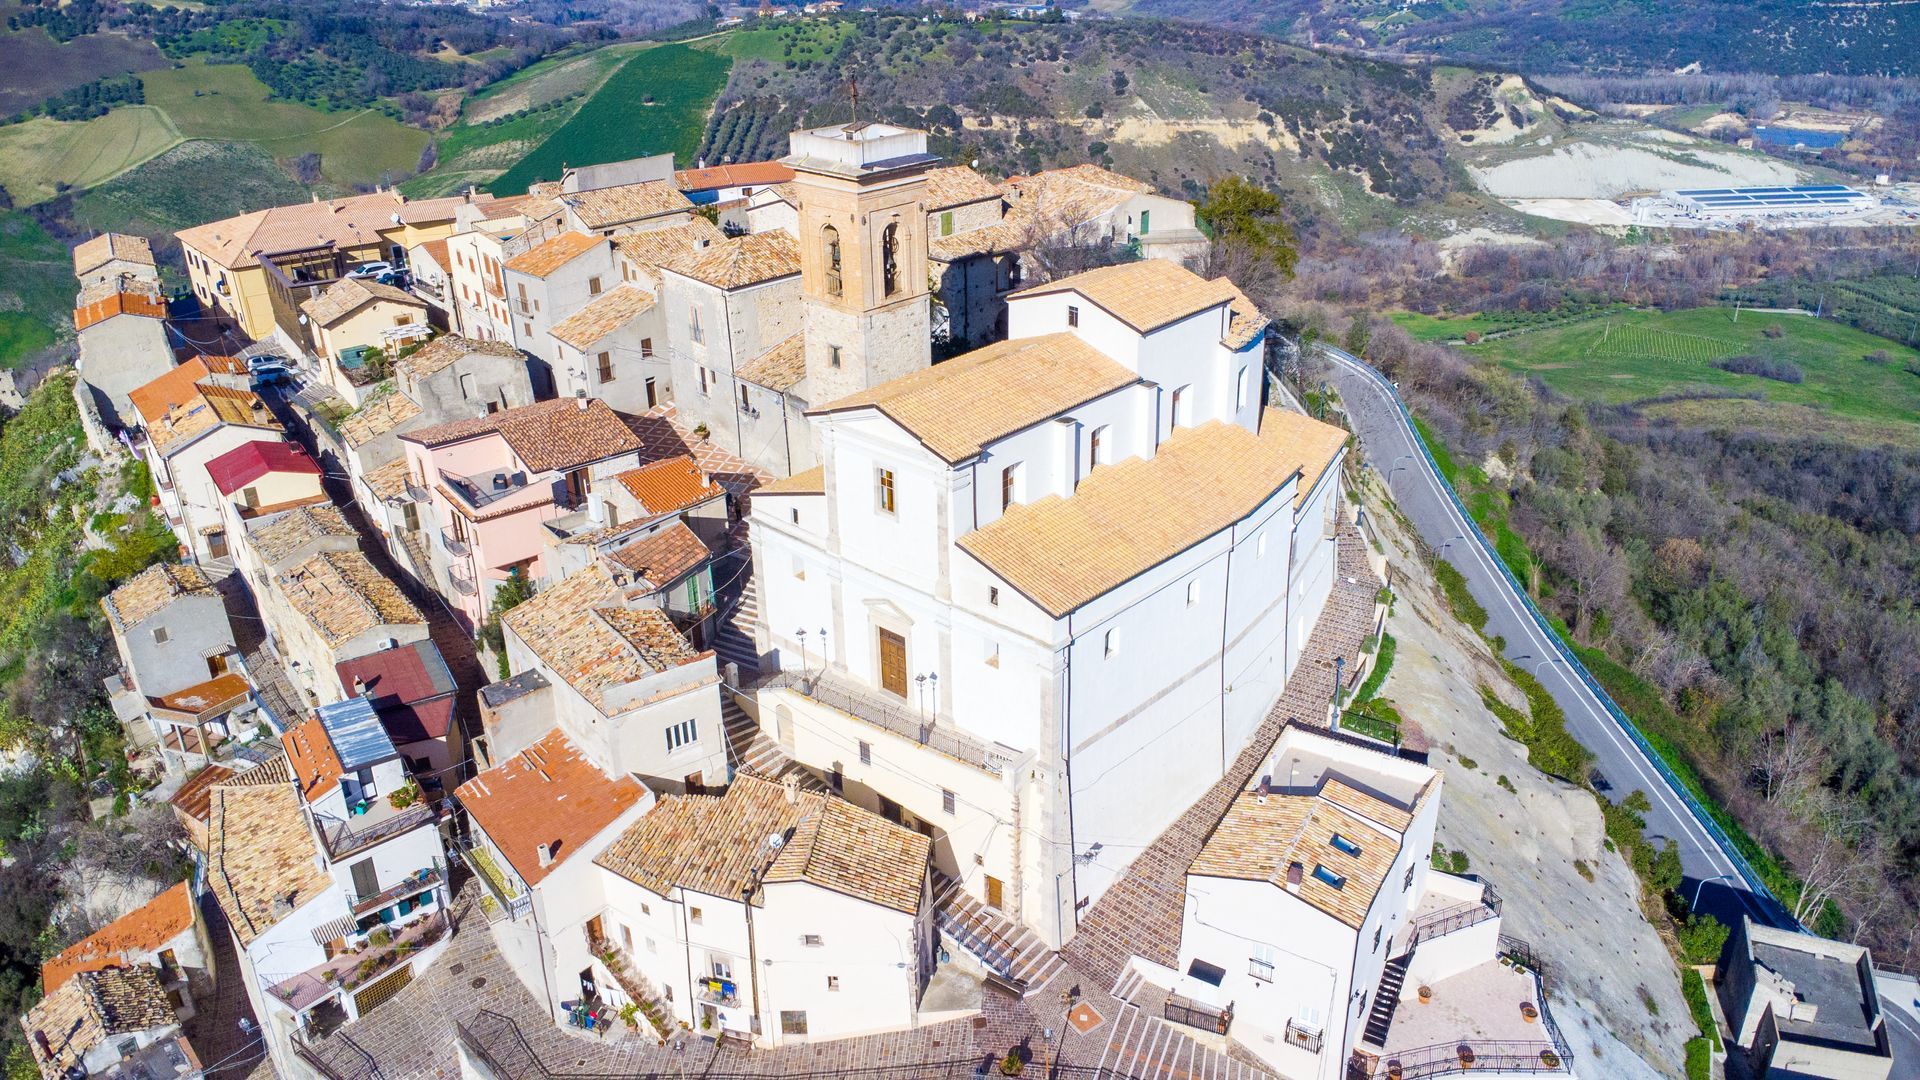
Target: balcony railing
point(345, 837)
point(1499, 1057)
point(482, 492)
point(1458, 917)
point(415, 883)
point(1306, 1038)
point(416, 492)
point(1198, 1014)
point(456, 547)
point(875, 709)
point(512, 900)
point(463, 584)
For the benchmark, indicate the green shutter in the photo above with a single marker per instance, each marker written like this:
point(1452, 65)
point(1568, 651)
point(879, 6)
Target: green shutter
point(946, 223)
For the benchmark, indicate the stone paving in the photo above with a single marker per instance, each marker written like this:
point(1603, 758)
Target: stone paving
point(215, 1032)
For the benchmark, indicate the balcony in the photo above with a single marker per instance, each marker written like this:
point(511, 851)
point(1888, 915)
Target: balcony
point(416, 492)
point(1306, 1038)
point(462, 584)
point(504, 894)
point(1436, 918)
point(458, 548)
point(382, 821)
point(412, 885)
point(483, 491)
point(363, 963)
point(874, 707)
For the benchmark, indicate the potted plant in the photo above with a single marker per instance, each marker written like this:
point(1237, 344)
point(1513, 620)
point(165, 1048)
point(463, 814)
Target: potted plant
point(1426, 995)
point(1549, 1059)
point(1012, 1065)
point(1465, 1053)
point(1394, 1070)
point(1528, 1012)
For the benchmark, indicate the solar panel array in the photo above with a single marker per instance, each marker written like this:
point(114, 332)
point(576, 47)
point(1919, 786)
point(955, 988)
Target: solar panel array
point(1808, 196)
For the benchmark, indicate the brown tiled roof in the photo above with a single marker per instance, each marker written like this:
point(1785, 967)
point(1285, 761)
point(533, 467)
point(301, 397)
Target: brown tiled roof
point(388, 481)
point(108, 247)
point(811, 482)
point(581, 633)
point(310, 754)
point(745, 260)
point(958, 407)
point(344, 297)
point(670, 485)
point(176, 386)
point(1245, 323)
point(987, 240)
point(442, 351)
point(664, 557)
point(1259, 837)
point(1126, 518)
point(179, 405)
point(147, 305)
point(260, 853)
point(1146, 294)
point(282, 535)
point(554, 254)
point(780, 368)
point(196, 795)
point(152, 589)
point(558, 434)
point(606, 207)
point(746, 173)
point(550, 793)
point(1073, 195)
point(377, 417)
point(603, 315)
point(125, 940)
point(436, 252)
point(957, 185)
point(90, 1008)
point(351, 222)
point(341, 595)
point(675, 245)
point(210, 698)
point(719, 845)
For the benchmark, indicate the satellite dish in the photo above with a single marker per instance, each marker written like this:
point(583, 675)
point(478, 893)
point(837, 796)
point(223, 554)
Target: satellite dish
point(303, 320)
point(776, 841)
point(396, 217)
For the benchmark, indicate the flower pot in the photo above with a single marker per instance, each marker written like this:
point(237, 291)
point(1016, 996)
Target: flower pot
point(1528, 1012)
point(1466, 1057)
point(1549, 1059)
point(1394, 1070)
point(1426, 995)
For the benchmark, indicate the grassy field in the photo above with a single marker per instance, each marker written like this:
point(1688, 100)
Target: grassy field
point(36, 288)
point(226, 102)
point(1447, 327)
point(539, 84)
point(812, 40)
point(657, 102)
point(41, 157)
point(1634, 356)
point(171, 192)
point(38, 67)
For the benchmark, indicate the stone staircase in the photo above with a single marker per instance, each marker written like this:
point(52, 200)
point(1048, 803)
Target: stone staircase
point(1386, 1000)
point(1011, 952)
point(750, 749)
point(733, 640)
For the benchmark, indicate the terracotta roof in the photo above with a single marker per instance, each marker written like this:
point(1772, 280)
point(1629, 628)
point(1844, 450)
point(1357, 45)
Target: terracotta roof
point(147, 305)
point(109, 247)
point(550, 793)
point(220, 694)
point(182, 403)
point(438, 354)
point(957, 185)
point(389, 481)
point(282, 535)
point(558, 434)
point(436, 252)
point(176, 386)
point(604, 314)
point(554, 254)
point(1126, 518)
point(1146, 294)
point(780, 368)
point(753, 173)
point(670, 485)
point(583, 636)
point(1073, 195)
point(195, 797)
point(351, 222)
point(718, 845)
point(988, 240)
point(664, 557)
point(260, 855)
point(811, 482)
point(90, 1008)
point(675, 245)
point(410, 687)
point(152, 589)
point(956, 408)
point(254, 459)
point(1245, 321)
point(745, 260)
point(310, 753)
point(606, 207)
point(341, 595)
point(377, 417)
point(348, 295)
point(126, 940)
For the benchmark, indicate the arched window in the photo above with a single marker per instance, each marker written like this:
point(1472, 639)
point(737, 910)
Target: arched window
point(830, 238)
point(889, 258)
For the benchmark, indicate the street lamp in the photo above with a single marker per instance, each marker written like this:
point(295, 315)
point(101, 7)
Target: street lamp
point(1695, 906)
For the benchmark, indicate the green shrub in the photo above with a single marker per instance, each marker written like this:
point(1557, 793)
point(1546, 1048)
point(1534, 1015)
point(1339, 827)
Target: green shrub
point(1454, 585)
point(1699, 1059)
point(1694, 989)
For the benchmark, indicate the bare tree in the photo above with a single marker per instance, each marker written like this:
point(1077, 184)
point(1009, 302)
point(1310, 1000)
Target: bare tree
point(1791, 764)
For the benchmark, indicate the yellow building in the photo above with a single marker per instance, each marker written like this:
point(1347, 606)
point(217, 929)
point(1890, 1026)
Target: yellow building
point(353, 315)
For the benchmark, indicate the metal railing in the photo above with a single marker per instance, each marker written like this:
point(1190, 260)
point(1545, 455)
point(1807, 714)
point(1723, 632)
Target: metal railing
point(1308, 1039)
point(1459, 916)
point(455, 547)
point(1571, 659)
point(479, 495)
point(417, 882)
point(1466, 1056)
point(872, 709)
point(1196, 1014)
point(343, 837)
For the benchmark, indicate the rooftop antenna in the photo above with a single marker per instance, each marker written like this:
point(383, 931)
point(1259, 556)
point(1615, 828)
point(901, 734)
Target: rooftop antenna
point(853, 93)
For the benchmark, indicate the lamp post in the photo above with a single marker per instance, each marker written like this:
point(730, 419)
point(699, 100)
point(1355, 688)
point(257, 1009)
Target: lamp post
point(802, 635)
point(1339, 667)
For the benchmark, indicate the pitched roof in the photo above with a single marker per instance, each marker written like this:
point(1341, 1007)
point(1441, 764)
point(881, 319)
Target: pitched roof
point(603, 315)
point(1146, 294)
point(671, 246)
point(581, 633)
point(745, 260)
point(780, 368)
point(195, 797)
point(959, 406)
point(147, 305)
point(956, 185)
point(664, 557)
point(351, 222)
point(122, 942)
point(315, 763)
point(377, 417)
point(550, 793)
point(254, 459)
point(410, 688)
point(1073, 195)
point(755, 173)
point(1126, 518)
point(436, 253)
point(1010, 235)
point(389, 481)
point(348, 295)
point(670, 485)
point(557, 434)
point(545, 258)
point(444, 350)
point(281, 535)
point(211, 697)
point(1245, 321)
point(108, 247)
point(90, 1008)
point(152, 589)
point(341, 595)
point(605, 207)
point(185, 402)
point(719, 845)
point(811, 482)
point(260, 855)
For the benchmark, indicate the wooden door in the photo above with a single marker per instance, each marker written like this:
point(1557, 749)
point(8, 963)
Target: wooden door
point(994, 891)
point(217, 544)
point(893, 663)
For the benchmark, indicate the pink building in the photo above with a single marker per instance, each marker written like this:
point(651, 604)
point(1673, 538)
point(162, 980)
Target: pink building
point(485, 488)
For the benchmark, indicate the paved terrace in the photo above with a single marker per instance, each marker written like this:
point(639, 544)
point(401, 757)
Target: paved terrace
point(413, 1035)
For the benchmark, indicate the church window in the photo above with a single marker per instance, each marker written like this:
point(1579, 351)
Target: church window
point(830, 238)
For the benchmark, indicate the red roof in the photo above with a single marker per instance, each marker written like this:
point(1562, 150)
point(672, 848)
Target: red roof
point(723, 176)
point(119, 303)
point(410, 688)
point(126, 940)
point(250, 461)
point(549, 793)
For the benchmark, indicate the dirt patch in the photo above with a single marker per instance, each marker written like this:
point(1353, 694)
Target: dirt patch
point(1232, 134)
point(1584, 211)
point(1591, 169)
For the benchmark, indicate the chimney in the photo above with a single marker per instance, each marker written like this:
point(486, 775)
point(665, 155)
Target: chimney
point(359, 686)
point(546, 855)
point(581, 401)
point(1295, 872)
point(792, 786)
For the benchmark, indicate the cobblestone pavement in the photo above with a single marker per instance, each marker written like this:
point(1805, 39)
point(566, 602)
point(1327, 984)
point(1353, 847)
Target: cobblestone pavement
point(215, 1028)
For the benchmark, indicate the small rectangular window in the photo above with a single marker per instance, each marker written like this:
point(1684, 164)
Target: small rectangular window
point(812, 941)
point(1376, 939)
point(1073, 315)
point(1407, 882)
point(681, 734)
point(1328, 878)
point(646, 347)
point(1112, 641)
point(1260, 964)
point(1345, 846)
point(159, 635)
point(793, 1021)
point(605, 360)
point(993, 595)
point(1009, 484)
point(949, 802)
point(884, 493)
point(1240, 391)
point(745, 401)
point(706, 383)
point(593, 286)
point(694, 914)
point(866, 752)
point(833, 355)
point(1193, 592)
point(833, 984)
point(626, 938)
point(1260, 547)
point(1097, 445)
point(694, 330)
point(946, 223)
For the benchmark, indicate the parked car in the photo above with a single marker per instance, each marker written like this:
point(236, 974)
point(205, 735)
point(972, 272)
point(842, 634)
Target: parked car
point(269, 374)
point(398, 278)
point(370, 270)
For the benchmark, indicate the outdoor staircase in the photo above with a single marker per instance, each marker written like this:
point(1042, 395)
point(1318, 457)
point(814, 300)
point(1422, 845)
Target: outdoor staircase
point(750, 749)
point(1011, 952)
point(733, 640)
point(1386, 1000)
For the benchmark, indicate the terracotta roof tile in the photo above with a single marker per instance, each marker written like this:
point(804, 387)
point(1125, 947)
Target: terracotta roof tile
point(602, 315)
point(348, 295)
point(811, 482)
point(1126, 518)
point(126, 940)
point(377, 417)
point(389, 481)
point(583, 636)
point(1146, 294)
point(745, 260)
point(90, 1008)
point(673, 246)
point(438, 354)
point(184, 402)
point(195, 797)
point(603, 208)
point(780, 368)
point(550, 793)
point(217, 695)
point(956, 408)
point(152, 589)
point(109, 247)
point(275, 538)
point(1073, 195)
point(957, 185)
point(987, 240)
point(746, 173)
point(315, 763)
point(342, 595)
point(664, 557)
point(555, 253)
point(670, 485)
point(558, 434)
point(260, 855)
point(147, 305)
point(351, 222)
